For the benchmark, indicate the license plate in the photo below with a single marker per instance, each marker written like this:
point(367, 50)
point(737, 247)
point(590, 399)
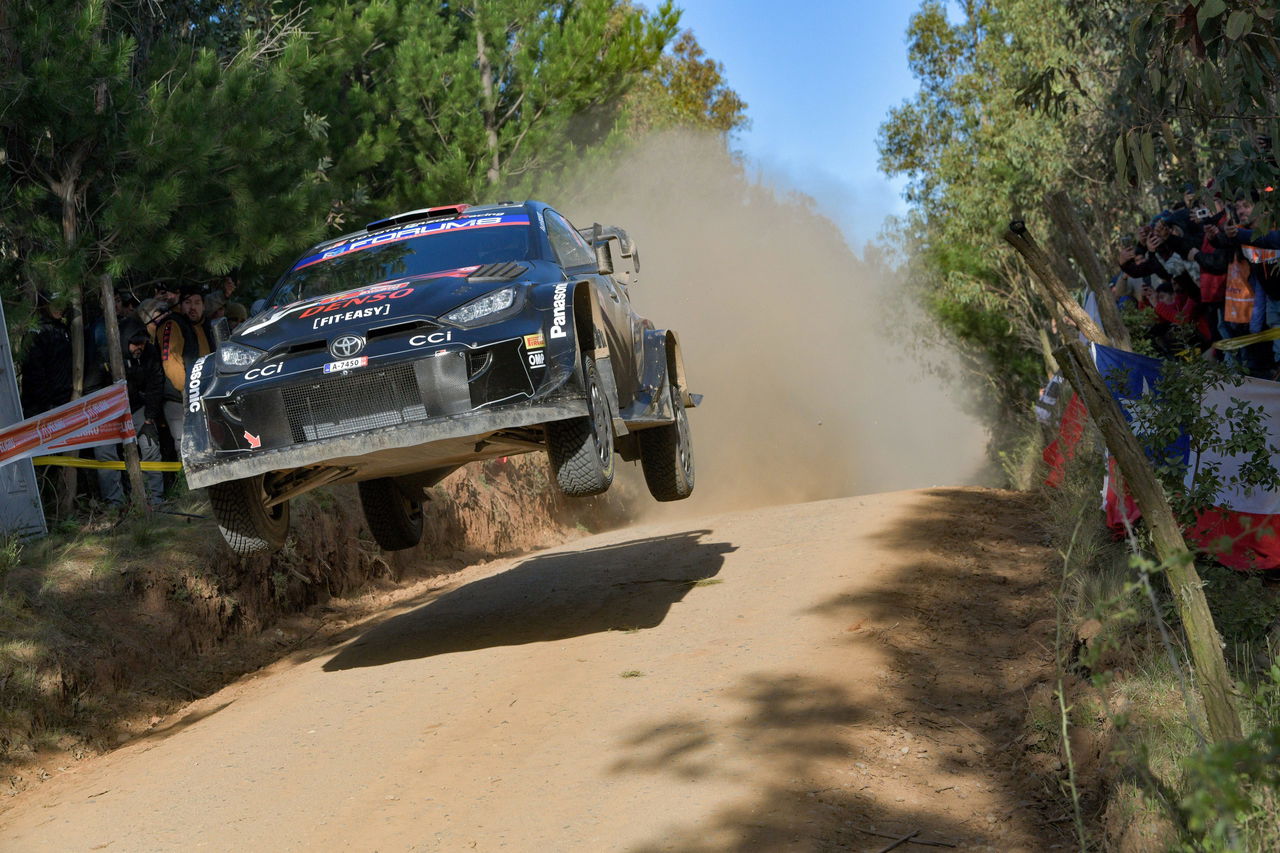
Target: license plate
point(346, 364)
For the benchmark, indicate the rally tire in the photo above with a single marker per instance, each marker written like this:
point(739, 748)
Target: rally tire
point(666, 455)
point(394, 520)
point(581, 449)
point(248, 525)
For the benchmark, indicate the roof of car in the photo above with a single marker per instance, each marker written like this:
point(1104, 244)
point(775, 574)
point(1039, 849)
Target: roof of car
point(470, 210)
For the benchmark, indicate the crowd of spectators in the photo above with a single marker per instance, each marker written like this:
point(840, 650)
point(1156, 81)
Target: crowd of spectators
point(1204, 270)
point(161, 337)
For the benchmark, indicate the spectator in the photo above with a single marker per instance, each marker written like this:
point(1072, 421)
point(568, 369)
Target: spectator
point(214, 305)
point(184, 337)
point(151, 313)
point(145, 380)
point(236, 314)
point(167, 294)
point(46, 367)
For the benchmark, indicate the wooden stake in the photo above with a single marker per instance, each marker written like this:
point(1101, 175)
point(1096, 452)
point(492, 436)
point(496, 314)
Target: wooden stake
point(1056, 290)
point(1211, 675)
point(132, 461)
point(1065, 219)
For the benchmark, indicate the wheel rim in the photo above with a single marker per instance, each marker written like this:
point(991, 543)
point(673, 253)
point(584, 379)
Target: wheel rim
point(275, 513)
point(600, 424)
point(683, 444)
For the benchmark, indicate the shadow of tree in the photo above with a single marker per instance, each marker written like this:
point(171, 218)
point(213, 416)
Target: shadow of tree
point(953, 622)
point(547, 597)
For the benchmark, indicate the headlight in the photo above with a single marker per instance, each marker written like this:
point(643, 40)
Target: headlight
point(483, 308)
point(234, 358)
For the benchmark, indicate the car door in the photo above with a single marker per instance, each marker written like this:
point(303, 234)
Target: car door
point(579, 261)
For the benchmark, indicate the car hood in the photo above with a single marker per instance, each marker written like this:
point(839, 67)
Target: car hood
point(419, 296)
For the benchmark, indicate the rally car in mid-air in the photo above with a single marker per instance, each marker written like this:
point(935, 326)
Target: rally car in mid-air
point(394, 355)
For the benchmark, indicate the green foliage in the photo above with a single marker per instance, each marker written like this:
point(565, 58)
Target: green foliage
point(1202, 87)
point(1232, 789)
point(179, 141)
point(686, 89)
point(451, 102)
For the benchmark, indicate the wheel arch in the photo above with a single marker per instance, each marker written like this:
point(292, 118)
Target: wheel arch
point(675, 364)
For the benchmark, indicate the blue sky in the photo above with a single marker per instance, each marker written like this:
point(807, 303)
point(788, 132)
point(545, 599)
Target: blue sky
point(818, 78)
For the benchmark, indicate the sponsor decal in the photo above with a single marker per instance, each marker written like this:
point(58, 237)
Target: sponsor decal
point(558, 299)
point(425, 229)
point(346, 364)
point(346, 346)
point(254, 441)
point(537, 359)
point(362, 314)
point(265, 370)
point(534, 341)
point(193, 384)
point(433, 338)
point(351, 302)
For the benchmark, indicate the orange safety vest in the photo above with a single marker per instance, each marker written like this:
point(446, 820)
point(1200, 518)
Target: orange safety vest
point(1239, 304)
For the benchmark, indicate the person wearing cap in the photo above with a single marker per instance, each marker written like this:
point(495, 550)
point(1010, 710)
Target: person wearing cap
point(236, 314)
point(167, 293)
point(145, 380)
point(184, 338)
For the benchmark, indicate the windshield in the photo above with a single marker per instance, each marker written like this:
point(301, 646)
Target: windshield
point(414, 250)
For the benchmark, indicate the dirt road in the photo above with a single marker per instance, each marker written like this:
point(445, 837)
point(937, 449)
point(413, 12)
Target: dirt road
point(792, 678)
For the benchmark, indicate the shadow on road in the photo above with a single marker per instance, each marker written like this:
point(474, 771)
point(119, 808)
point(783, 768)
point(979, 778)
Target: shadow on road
point(833, 773)
point(547, 597)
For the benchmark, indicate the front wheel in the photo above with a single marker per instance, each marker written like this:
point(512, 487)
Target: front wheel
point(246, 522)
point(581, 450)
point(394, 520)
point(666, 454)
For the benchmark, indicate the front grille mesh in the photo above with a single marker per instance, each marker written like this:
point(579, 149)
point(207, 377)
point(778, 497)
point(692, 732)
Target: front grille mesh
point(347, 404)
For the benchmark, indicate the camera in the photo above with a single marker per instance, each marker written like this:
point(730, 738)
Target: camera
point(1201, 215)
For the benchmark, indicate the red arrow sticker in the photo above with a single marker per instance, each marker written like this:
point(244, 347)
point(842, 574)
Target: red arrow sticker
point(254, 441)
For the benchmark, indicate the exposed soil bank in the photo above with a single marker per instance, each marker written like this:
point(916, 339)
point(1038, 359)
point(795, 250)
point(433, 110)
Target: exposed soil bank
point(108, 629)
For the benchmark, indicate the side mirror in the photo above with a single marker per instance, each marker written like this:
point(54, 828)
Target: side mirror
point(221, 331)
point(256, 308)
point(604, 258)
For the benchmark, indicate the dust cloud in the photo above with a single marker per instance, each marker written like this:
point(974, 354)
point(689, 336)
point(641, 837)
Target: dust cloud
point(795, 343)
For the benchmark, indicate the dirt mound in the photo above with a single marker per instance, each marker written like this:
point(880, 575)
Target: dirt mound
point(109, 626)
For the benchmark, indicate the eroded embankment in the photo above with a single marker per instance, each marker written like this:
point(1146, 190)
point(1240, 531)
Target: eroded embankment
point(106, 628)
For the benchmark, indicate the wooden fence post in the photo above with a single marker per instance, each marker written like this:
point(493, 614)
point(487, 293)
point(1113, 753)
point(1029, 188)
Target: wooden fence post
point(1203, 640)
point(1063, 214)
point(115, 358)
point(1055, 288)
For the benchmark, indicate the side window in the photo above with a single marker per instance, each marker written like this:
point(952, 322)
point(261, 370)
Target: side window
point(571, 250)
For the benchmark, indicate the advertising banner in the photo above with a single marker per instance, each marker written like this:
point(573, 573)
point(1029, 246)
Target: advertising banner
point(103, 417)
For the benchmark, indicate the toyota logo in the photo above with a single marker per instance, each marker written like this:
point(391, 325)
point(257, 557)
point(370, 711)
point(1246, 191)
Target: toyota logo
point(346, 346)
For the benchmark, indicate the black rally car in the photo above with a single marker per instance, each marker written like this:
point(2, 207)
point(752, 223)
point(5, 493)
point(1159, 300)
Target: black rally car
point(392, 356)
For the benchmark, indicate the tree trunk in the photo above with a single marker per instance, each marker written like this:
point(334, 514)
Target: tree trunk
point(488, 109)
point(1064, 217)
point(1057, 291)
point(115, 355)
point(66, 190)
point(1210, 669)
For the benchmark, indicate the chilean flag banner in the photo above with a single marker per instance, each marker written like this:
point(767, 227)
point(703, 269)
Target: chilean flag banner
point(1242, 530)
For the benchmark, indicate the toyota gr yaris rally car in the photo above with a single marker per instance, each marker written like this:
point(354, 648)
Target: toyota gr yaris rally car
point(394, 355)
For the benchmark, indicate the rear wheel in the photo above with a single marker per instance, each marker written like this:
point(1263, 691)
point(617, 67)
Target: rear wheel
point(581, 450)
point(393, 518)
point(246, 522)
point(666, 454)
